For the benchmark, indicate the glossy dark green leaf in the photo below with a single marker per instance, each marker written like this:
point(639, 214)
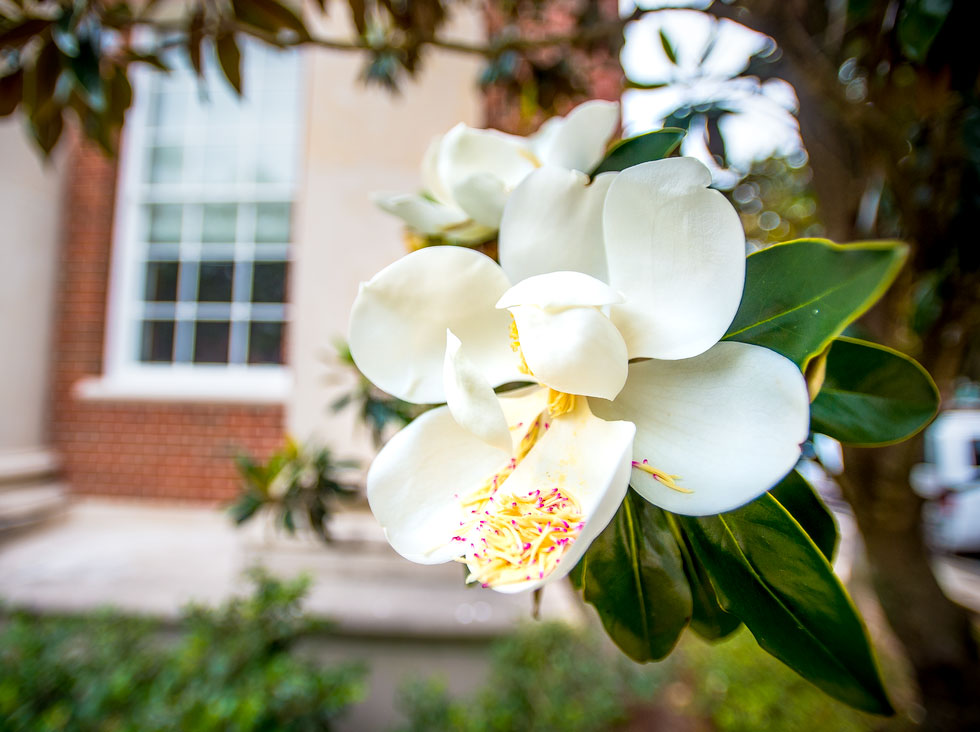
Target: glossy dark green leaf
point(708, 619)
point(798, 497)
point(230, 59)
point(768, 572)
point(919, 22)
point(634, 576)
point(802, 294)
point(632, 151)
point(872, 395)
point(84, 70)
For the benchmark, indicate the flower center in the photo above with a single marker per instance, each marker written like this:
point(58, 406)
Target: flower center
point(661, 477)
point(515, 538)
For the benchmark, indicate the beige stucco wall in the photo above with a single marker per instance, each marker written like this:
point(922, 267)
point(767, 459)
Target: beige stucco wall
point(359, 140)
point(30, 197)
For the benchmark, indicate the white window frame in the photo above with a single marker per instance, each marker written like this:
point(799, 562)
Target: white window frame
point(124, 376)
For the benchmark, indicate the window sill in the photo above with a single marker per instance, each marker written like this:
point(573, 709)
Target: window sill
point(216, 388)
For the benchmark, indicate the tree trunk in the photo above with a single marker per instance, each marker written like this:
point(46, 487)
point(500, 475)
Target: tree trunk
point(848, 145)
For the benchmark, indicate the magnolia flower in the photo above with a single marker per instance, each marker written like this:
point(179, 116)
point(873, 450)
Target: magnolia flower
point(610, 297)
point(468, 174)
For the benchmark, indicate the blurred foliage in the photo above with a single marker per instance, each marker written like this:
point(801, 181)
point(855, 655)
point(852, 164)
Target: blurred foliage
point(299, 480)
point(776, 202)
point(74, 55)
point(375, 408)
point(549, 677)
point(231, 669)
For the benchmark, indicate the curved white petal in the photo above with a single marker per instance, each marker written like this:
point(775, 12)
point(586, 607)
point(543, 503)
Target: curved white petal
point(677, 251)
point(465, 152)
point(431, 181)
point(576, 350)
point(728, 423)
point(553, 221)
point(416, 484)
point(470, 398)
point(483, 197)
point(423, 215)
point(578, 140)
point(560, 290)
point(586, 457)
point(399, 320)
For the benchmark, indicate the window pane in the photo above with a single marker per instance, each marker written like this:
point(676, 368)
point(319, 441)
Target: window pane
point(164, 222)
point(161, 281)
point(219, 222)
point(169, 109)
point(165, 164)
point(272, 223)
point(220, 164)
point(214, 281)
point(269, 282)
point(274, 164)
point(211, 342)
point(265, 343)
point(158, 341)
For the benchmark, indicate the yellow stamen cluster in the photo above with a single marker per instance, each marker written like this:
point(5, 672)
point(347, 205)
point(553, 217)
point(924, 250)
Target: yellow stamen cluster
point(518, 538)
point(560, 403)
point(661, 477)
point(515, 346)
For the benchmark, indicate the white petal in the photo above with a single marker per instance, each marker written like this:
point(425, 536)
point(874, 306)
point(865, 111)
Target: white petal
point(471, 400)
point(431, 181)
point(560, 290)
point(399, 320)
point(423, 215)
point(575, 350)
point(578, 140)
point(417, 482)
point(729, 423)
point(482, 196)
point(465, 152)
point(677, 251)
point(586, 457)
point(553, 221)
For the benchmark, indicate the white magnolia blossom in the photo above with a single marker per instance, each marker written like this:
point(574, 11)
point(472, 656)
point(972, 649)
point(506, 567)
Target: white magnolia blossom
point(611, 297)
point(468, 174)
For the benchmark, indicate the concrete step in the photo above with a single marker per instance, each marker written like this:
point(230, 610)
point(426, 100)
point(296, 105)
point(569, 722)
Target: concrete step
point(25, 506)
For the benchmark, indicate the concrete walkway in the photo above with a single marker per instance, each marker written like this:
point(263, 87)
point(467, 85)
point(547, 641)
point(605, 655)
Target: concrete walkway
point(153, 559)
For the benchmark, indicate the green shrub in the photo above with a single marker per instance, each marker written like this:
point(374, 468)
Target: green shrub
point(229, 670)
point(549, 678)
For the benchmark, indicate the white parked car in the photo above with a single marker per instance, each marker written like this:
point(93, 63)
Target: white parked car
point(950, 480)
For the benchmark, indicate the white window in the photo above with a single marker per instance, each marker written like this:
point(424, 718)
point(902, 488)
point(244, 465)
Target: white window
point(203, 227)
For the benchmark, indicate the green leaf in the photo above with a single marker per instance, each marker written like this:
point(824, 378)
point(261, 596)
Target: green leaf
point(872, 395)
point(800, 295)
point(918, 25)
point(769, 573)
point(11, 92)
point(797, 496)
point(708, 619)
point(230, 60)
point(668, 48)
point(270, 16)
point(634, 576)
point(632, 151)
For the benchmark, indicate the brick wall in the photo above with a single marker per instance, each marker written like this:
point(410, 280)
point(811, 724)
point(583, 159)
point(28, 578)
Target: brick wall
point(151, 449)
point(556, 78)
